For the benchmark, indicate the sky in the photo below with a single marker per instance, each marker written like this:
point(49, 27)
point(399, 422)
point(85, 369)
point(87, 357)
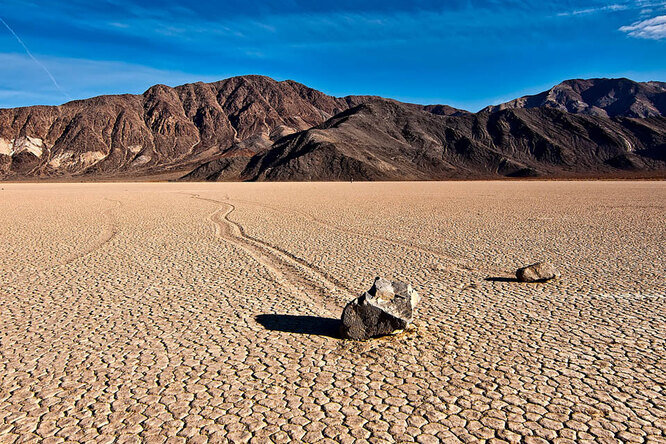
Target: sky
point(463, 53)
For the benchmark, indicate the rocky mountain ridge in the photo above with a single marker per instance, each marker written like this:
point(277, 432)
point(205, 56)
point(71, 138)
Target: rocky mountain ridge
point(381, 140)
point(164, 128)
point(255, 128)
point(598, 97)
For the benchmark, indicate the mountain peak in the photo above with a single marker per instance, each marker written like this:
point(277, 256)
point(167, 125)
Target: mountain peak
point(598, 97)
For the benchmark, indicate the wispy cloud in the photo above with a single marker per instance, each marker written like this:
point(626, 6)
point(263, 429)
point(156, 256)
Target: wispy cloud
point(34, 59)
point(644, 6)
point(90, 78)
point(313, 29)
point(652, 29)
point(594, 10)
point(118, 25)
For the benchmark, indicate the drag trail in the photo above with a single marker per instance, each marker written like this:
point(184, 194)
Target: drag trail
point(108, 230)
point(303, 279)
point(455, 263)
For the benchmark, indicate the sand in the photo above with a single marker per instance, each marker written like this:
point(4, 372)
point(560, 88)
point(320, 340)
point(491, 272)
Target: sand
point(209, 312)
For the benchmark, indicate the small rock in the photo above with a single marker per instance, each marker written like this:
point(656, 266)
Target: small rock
point(541, 271)
point(386, 307)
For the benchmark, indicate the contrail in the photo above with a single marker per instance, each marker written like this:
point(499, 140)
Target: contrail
point(27, 51)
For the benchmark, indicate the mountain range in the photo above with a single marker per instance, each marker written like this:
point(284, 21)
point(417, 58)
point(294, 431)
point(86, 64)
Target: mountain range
point(256, 128)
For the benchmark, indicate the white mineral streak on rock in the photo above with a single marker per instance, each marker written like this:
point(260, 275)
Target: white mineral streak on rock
point(61, 159)
point(143, 159)
point(33, 145)
point(6, 147)
point(90, 157)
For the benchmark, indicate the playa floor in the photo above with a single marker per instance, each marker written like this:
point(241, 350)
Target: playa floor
point(209, 312)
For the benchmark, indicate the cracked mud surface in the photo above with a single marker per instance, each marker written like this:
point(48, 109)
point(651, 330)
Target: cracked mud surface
point(206, 312)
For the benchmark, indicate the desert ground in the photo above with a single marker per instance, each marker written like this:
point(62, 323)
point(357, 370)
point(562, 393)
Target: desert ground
point(209, 312)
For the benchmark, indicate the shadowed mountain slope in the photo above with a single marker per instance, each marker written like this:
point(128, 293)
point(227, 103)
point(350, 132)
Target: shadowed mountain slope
point(382, 140)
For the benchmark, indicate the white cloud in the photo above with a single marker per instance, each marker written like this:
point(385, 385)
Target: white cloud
point(645, 6)
point(119, 25)
point(653, 29)
point(611, 8)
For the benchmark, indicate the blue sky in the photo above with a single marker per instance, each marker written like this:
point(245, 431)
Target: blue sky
point(463, 53)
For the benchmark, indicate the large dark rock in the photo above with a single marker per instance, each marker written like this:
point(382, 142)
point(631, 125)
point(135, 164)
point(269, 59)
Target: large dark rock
point(539, 272)
point(386, 307)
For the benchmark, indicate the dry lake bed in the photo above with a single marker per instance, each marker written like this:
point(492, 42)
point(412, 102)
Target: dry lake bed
point(209, 312)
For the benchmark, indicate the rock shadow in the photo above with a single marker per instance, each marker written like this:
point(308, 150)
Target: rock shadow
point(305, 325)
point(501, 279)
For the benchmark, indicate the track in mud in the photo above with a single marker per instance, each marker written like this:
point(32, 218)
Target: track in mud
point(105, 236)
point(302, 279)
point(456, 263)
point(306, 282)
point(108, 232)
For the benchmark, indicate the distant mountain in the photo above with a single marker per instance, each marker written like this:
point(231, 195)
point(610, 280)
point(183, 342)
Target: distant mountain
point(598, 97)
point(255, 128)
point(381, 140)
point(161, 130)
